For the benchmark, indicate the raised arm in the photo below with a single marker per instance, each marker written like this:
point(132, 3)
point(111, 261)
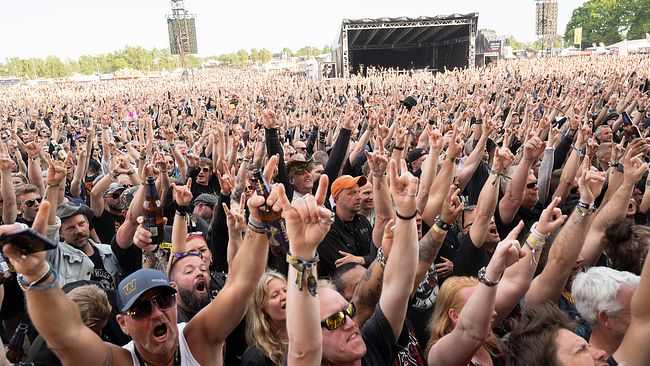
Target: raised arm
point(475, 318)
point(307, 224)
point(568, 243)
point(65, 334)
point(429, 166)
point(517, 278)
point(474, 158)
point(514, 195)
point(616, 207)
point(378, 163)
point(634, 347)
point(9, 208)
point(402, 263)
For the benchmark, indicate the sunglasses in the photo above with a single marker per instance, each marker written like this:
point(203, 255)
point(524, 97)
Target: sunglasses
point(301, 148)
point(141, 310)
point(31, 203)
point(337, 319)
point(531, 185)
point(205, 170)
point(178, 256)
point(250, 188)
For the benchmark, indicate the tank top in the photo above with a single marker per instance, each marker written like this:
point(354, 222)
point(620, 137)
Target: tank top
point(186, 356)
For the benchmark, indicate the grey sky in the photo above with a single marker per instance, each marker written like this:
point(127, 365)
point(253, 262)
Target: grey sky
point(71, 28)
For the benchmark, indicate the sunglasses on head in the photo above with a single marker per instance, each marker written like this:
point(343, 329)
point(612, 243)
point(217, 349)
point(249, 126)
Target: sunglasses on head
point(31, 203)
point(178, 256)
point(142, 309)
point(531, 185)
point(337, 319)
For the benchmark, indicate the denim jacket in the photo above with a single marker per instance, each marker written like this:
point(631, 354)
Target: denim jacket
point(74, 265)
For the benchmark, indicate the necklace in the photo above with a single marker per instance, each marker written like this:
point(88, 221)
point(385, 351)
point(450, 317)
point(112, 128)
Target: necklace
point(177, 357)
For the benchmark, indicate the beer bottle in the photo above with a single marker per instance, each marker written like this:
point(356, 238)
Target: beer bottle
point(5, 273)
point(15, 351)
point(153, 216)
point(274, 225)
point(57, 151)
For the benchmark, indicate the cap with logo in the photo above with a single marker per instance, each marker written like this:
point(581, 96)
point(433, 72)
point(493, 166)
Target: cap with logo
point(139, 282)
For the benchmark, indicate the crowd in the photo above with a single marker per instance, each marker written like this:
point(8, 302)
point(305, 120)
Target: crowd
point(488, 216)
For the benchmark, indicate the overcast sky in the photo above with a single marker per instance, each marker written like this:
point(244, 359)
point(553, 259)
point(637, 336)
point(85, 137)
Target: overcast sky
point(71, 28)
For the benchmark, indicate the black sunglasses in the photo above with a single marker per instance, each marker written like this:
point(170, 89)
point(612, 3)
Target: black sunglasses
point(141, 310)
point(301, 148)
point(205, 169)
point(31, 203)
point(531, 185)
point(337, 319)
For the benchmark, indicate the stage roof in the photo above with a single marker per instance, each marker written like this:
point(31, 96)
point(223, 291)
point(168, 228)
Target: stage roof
point(405, 32)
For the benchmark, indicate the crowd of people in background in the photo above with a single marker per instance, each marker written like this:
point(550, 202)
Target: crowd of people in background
point(488, 216)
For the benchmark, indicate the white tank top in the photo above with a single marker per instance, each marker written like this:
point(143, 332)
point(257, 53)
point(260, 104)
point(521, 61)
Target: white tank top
point(186, 356)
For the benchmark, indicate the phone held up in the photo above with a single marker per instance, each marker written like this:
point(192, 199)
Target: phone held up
point(28, 240)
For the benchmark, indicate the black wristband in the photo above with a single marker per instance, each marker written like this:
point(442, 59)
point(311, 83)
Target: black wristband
point(406, 218)
point(183, 210)
point(431, 122)
point(441, 224)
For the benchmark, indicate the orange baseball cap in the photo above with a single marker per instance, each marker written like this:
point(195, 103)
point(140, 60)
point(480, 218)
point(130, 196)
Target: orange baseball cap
point(345, 182)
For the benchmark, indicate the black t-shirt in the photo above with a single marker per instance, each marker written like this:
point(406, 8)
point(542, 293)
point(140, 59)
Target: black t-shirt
point(100, 274)
point(107, 225)
point(254, 357)
point(381, 345)
point(470, 259)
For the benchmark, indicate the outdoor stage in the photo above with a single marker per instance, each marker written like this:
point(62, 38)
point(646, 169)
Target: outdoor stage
point(407, 43)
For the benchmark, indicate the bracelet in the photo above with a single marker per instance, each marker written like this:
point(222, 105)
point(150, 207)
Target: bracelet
point(484, 280)
point(53, 185)
point(131, 172)
point(143, 158)
point(537, 234)
point(585, 211)
point(256, 229)
point(453, 160)
point(406, 218)
point(531, 244)
point(377, 175)
point(431, 122)
point(441, 224)
point(303, 266)
point(398, 148)
point(578, 151)
point(381, 258)
point(439, 230)
point(502, 175)
point(36, 285)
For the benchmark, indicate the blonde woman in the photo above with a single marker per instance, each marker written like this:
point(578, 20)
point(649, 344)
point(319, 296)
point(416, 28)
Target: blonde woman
point(266, 331)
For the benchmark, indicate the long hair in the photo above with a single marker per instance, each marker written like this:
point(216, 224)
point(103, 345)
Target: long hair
point(259, 332)
point(449, 297)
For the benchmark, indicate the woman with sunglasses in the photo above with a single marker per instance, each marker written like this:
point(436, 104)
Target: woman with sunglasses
point(266, 328)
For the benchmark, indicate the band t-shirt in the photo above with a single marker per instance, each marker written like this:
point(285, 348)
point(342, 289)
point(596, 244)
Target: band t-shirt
point(99, 273)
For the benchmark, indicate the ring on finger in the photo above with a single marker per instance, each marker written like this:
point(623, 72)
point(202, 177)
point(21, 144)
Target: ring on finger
point(21, 258)
point(330, 220)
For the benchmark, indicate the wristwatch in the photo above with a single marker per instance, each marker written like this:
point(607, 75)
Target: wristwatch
point(484, 280)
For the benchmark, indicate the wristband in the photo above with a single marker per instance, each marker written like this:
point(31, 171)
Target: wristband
point(302, 266)
point(431, 122)
point(438, 230)
point(398, 148)
point(441, 224)
point(381, 258)
point(183, 210)
point(406, 218)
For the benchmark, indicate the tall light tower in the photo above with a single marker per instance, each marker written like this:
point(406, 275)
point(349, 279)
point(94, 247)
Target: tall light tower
point(546, 23)
point(182, 31)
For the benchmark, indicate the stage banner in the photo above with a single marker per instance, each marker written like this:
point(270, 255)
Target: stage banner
point(577, 35)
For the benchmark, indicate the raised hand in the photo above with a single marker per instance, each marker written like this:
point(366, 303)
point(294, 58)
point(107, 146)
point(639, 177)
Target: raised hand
point(532, 148)
point(307, 219)
point(452, 207)
point(403, 189)
point(455, 148)
point(183, 194)
point(235, 216)
point(142, 236)
point(349, 258)
point(56, 171)
point(502, 159)
point(551, 218)
point(269, 119)
point(30, 265)
point(508, 251)
point(634, 169)
point(226, 181)
point(377, 160)
point(590, 182)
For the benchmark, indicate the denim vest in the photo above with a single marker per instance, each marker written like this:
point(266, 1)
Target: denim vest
point(73, 264)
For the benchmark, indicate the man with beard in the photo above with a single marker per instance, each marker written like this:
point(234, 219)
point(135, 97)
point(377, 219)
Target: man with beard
point(147, 306)
point(189, 275)
point(350, 237)
point(107, 209)
point(78, 257)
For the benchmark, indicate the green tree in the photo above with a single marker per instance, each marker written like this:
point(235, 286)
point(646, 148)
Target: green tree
point(265, 55)
point(287, 51)
point(609, 21)
point(327, 49)
point(514, 43)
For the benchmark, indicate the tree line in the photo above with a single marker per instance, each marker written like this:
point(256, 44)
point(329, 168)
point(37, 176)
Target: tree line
point(609, 21)
point(136, 58)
